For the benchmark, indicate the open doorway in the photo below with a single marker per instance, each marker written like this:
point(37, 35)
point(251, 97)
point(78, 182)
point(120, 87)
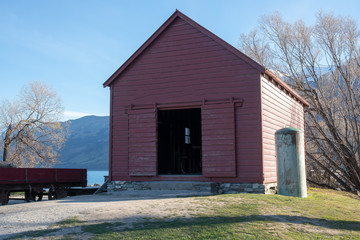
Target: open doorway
point(179, 141)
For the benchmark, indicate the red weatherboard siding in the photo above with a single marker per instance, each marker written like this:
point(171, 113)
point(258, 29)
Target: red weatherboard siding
point(279, 110)
point(185, 65)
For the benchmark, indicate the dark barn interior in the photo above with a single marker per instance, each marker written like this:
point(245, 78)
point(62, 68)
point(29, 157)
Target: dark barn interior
point(179, 141)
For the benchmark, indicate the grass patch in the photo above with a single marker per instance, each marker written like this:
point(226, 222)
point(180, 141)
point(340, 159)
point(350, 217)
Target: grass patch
point(70, 222)
point(102, 228)
point(325, 214)
point(216, 228)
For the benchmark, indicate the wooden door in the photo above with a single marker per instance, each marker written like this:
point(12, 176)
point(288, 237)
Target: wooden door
point(142, 142)
point(218, 140)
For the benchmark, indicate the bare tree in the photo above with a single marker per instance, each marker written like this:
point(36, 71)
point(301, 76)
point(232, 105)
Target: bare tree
point(322, 63)
point(31, 131)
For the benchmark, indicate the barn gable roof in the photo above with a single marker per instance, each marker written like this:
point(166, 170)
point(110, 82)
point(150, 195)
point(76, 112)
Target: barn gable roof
point(171, 19)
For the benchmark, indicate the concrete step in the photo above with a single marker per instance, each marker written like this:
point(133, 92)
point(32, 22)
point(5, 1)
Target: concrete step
point(206, 187)
point(181, 185)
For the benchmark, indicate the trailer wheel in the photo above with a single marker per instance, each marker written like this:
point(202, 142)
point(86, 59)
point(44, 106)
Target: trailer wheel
point(56, 193)
point(36, 196)
point(4, 197)
point(60, 193)
point(39, 196)
point(33, 196)
point(51, 194)
point(27, 196)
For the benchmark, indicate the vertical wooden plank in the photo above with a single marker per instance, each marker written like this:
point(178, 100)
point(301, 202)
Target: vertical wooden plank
point(218, 144)
point(142, 150)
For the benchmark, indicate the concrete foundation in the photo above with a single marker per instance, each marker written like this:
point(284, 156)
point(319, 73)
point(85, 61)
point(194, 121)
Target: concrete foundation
point(205, 187)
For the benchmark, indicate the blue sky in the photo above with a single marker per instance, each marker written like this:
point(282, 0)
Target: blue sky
point(75, 45)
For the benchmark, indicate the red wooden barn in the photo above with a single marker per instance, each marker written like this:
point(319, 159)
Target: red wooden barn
point(187, 106)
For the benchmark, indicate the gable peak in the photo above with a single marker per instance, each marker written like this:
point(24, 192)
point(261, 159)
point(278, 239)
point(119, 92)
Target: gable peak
point(163, 27)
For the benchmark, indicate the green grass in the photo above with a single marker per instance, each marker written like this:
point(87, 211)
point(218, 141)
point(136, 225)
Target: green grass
point(325, 214)
point(70, 222)
point(102, 228)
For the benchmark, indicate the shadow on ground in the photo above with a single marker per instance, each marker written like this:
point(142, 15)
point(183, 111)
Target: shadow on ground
point(200, 222)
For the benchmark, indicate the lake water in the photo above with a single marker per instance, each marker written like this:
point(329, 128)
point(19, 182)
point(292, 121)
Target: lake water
point(96, 177)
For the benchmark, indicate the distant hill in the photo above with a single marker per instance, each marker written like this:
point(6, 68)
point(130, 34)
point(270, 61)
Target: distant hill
point(87, 145)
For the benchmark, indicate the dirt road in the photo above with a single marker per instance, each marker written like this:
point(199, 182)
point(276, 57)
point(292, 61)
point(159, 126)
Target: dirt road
point(127, 207)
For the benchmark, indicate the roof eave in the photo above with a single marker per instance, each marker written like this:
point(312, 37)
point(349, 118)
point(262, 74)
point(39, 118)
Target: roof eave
point(286, 87)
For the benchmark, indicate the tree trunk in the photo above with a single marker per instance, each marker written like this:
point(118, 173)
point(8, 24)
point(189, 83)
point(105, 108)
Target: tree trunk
point(7, 142)
point(6, 148)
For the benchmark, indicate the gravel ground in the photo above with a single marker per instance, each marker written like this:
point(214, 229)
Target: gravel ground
point(127, 207)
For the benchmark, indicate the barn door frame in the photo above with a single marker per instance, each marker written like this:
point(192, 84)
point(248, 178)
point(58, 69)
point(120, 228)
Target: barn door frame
point(212, 162)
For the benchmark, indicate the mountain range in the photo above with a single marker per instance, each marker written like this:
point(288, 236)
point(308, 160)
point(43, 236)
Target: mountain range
point(87, 145)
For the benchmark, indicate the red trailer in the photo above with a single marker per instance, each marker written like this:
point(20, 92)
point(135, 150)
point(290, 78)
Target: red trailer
point(32, 181)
